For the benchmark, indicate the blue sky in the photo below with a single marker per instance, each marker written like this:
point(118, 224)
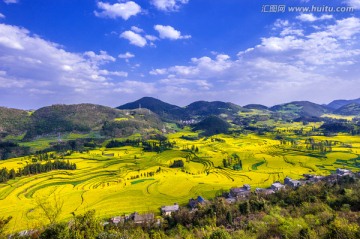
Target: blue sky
point(111, 52)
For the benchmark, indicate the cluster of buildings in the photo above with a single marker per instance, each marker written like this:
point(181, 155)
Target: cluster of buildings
point(232, 196)
point(235, 194)
point(244, 191)
point(149, 218)
point(188, 122)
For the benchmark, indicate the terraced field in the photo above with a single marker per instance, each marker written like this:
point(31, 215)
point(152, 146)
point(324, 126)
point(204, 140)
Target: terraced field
point(126, 179)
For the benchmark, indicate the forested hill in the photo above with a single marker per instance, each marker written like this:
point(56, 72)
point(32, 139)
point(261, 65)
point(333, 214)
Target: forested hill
point(150, 113)
point(13, 121)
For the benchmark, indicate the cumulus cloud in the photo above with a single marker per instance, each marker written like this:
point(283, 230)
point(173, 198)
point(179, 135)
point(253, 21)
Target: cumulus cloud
point(292, 64)
point(354, 3)
point(305, 17)
point(131, 87)
point(99, 59)
point(30, 63)
point(11, 1)
point(151, 37)
point(126, 55)
point(134, 38)
point(136, 29)
point(123, 10)
point(168, 32)
point(2, 15)
point(168, 5)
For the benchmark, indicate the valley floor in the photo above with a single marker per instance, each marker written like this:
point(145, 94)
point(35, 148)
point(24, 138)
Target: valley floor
point(127, 179)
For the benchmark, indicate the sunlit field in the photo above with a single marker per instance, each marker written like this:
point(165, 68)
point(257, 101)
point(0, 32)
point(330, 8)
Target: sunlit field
point(124, 180)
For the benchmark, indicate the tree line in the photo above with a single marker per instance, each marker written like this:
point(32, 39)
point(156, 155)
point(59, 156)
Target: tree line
point(157, 146)
point(35, 168)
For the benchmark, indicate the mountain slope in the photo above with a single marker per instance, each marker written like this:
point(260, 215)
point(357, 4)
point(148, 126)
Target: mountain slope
point(349, 109)
point(70, 118)
point(256, 107)
point(13, 121)
point(205, 108)
point(212, 125)
point(164, 110)
point(301, 108)
point(336, 104)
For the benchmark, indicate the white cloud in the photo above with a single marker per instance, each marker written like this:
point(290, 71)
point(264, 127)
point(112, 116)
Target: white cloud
point(279, 23)
point(354, 3)
point(123, 10)
point(309, 17)
point(113, 73)
point(345, 28)
point(179, 82)
point(30, 64)
point(134, 38)
point(137, 29)
point(292, 64)
point(168, 5)
point(290, 31)
point(158, 72)
point(126, 55)
point(11, 1)
point(168, 32)
point(131, 87)
point(100, 59)
point(201, 67)
point(151, 37)
point(2, 15)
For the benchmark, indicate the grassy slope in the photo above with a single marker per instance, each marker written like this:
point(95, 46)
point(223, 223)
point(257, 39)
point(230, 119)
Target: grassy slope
point(13, 121)
point(104, 182)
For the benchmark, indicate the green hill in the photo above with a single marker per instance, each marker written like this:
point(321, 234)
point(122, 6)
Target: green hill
point(70, 118)
point(166, 111)
point(205, 108)
point(212, 125)
point(256, 107)
point(336, 104)
point(13, 121)
point(301, 108)
point(349, 109)
point(140, 121)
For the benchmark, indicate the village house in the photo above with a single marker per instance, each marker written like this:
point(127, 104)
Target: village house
point(313, 178)
point(230, 200)
point(277, 186)
point(264, 191)
point(243, 191)
point(145, 218)
point(167, 210)
point(342, 172)
point(193, 203)
point(117, 220)
point(292, 183)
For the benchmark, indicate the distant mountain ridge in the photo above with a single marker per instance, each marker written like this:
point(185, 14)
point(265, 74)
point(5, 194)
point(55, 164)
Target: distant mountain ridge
point(198, 109)
point(349, 109)
point(163, 109)
point(148, 115)
point(336, 104)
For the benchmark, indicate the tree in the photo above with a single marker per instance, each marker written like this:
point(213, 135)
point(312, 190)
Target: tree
point(51, 208)
point(244, 207)
point(85, 226)
point(225, 163)
point(229, 217)
point(3, 223)
point(220, 234)
point(56, 231)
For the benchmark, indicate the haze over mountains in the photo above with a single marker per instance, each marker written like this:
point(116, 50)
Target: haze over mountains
point(148, 114)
